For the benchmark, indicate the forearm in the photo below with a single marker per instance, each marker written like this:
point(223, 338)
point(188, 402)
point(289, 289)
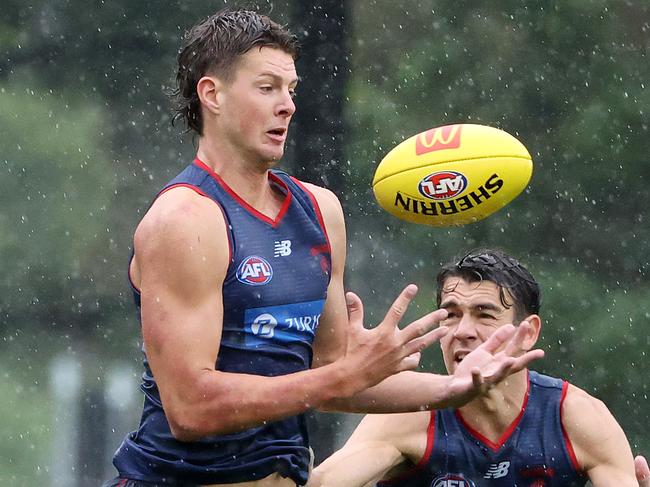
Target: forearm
point(218, 403)
point(401, 393)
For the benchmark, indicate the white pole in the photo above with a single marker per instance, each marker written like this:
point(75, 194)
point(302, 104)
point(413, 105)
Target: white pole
point(65, 381)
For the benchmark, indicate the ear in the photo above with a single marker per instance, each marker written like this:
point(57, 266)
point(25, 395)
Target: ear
point(209, 91)
point(535, 330)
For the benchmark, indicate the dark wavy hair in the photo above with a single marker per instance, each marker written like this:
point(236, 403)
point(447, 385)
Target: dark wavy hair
point(503, 270)
point(213, 46)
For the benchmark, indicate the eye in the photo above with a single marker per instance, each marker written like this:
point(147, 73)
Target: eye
point(292, 93)
point(266, 88)
point(487, 316)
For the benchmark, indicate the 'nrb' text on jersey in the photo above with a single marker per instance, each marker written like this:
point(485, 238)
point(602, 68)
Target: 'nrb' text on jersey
point(282, 324)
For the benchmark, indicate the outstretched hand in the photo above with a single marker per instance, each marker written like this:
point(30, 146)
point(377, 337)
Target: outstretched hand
point(642, 471)
point(377, 353)
point(491, 362)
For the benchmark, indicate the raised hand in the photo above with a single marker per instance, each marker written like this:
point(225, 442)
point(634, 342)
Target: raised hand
point(375, 354)
point(499, 356)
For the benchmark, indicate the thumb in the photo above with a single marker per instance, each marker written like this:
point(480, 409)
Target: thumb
point(642, 470)
point(355, 310)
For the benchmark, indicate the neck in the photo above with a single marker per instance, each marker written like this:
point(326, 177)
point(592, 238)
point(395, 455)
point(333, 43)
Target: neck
point(247, 178)
point(492, 413)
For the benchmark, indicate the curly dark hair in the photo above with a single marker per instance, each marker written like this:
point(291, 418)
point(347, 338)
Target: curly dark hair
point(213, 46)
point(503, 270)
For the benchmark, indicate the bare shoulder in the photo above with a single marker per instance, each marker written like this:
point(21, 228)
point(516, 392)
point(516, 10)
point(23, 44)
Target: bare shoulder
point(597, 439)
point(406, 431)
point(582, 413)
point(176, 211)
point(181, 227)
point(328, 202)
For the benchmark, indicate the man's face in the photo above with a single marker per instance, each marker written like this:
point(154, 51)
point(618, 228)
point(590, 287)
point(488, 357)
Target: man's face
point(256, 106)
point(475, 312)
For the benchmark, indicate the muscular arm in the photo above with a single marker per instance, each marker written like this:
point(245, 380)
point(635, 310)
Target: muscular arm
point(379, 444)
point(181, 258)
point(600, 445)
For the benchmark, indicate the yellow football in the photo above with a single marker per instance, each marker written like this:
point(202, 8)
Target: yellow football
point(452, 175)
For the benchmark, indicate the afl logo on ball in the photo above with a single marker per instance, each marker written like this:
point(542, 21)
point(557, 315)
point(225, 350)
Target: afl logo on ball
point(442, 185)
point(254, 271)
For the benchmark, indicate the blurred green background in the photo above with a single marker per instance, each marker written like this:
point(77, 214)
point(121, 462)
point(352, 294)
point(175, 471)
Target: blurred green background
point(86, 142)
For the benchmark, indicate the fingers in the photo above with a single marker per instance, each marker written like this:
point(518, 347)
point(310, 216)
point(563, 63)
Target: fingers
point(399, 306)
point(516, 344)
point(422, 325)
point(498, 338)
point(420, 343)
point(410, 362)
point(355, 309)
point(477, 378)
point(523, 361)
point(642, 471)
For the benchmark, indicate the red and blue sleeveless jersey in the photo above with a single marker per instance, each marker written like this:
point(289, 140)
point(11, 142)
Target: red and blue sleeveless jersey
point(273, 296)
point(534, 452)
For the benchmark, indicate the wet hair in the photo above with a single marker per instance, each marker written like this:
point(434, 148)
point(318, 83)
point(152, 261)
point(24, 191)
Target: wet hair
point(501, 269)
point(214, 46)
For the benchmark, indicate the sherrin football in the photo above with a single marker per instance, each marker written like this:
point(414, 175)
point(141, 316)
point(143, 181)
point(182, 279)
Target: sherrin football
point(452, 175)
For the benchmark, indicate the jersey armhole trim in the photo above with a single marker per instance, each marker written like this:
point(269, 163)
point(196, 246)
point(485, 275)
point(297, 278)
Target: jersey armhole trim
point(567, 441)
point(319, 215)
point(431, 435)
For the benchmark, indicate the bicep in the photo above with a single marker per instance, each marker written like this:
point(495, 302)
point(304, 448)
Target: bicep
point(182, 258)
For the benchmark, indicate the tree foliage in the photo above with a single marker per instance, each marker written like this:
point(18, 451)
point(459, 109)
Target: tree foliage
point(84, 124)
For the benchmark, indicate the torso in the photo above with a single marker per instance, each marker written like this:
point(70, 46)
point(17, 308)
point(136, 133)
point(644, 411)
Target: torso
point(273, 295)
point(533, 450)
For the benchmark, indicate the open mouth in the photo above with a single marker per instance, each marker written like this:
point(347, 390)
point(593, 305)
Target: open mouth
point(460, 356)
point(277, 133)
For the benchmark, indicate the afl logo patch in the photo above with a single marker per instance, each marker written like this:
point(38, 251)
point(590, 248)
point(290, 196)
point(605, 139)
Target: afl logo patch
point(254, 271)
point(452, 480)
point(442, 185)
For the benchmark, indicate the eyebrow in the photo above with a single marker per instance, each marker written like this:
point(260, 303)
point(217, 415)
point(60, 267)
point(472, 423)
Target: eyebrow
point(276, 77)
point(452, 303)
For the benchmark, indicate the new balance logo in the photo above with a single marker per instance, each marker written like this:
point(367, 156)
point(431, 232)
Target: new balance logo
point(282, 248)
point(497, 470)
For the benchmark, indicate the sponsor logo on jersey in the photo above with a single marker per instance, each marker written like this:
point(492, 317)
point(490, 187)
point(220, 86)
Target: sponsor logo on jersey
point(282, 248)
point(497, 470)
point(452, 480)
point(439, 138)
point(254, 271)
point(296, 322)
point(442, 185)
point(264, 325)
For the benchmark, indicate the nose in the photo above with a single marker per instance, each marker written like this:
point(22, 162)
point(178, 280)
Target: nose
point(465, 329)
point(286, 107)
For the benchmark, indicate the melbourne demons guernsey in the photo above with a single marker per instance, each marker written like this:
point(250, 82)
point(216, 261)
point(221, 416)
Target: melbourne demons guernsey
point(273, 296)
point(533, 452)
